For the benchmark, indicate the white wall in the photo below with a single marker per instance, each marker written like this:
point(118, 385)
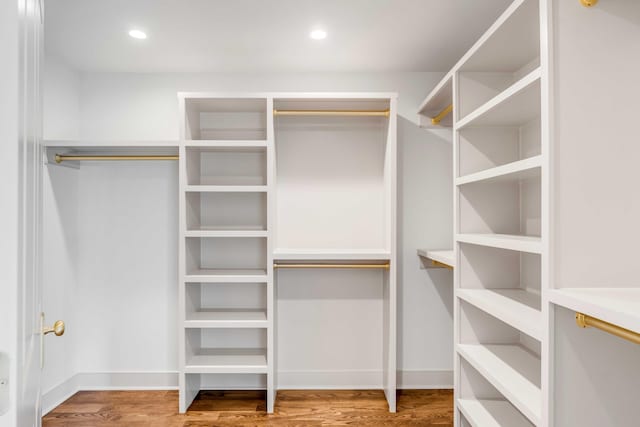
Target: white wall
point(127, 224)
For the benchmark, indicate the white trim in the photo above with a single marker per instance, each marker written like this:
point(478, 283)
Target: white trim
point(292, 380)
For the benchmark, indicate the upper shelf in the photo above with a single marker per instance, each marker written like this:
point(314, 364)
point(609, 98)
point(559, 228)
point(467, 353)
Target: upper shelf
point(618, 306)
point(437, 102)
point(439, 258)
point(91, 147)
point(331, 255)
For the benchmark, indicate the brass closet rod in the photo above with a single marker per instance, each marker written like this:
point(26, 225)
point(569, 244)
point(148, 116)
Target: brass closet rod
point(70, 157)
point(584, 321)
point(361, 113)
point(437, 119)
point(380, 266)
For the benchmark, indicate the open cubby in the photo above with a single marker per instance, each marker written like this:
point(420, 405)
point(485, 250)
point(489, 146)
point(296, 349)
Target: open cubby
point(226, 166)
point(504, 207)
point(482, 148)
point(481, 404)
point(225, 119)
point(226, 211)
point(333, 178)
point(205, 254)
point(226, 305)
point(225, 350)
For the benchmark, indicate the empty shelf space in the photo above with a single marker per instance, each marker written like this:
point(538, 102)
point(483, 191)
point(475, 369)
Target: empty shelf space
point(492, 413)
point(227, 361)
point(516, 307)
point(531, 244)
point(226, 276)
point(331, 255)
point(438, 257)
point(227, 232)
point(226, 318)
point(516, 105)
point(618, 306)
point(227, 188)
point(512, 370)
point(515, 171)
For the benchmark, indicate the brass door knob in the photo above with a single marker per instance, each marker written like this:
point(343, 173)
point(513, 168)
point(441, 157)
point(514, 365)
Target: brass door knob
point(58, 329)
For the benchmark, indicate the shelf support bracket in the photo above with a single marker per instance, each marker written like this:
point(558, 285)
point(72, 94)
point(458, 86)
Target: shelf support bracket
point(585, 321)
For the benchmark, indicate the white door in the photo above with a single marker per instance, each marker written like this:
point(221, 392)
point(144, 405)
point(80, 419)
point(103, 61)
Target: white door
point(21, 176)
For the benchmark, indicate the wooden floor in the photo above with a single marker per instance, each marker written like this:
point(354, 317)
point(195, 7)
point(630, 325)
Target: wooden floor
point(247, 408)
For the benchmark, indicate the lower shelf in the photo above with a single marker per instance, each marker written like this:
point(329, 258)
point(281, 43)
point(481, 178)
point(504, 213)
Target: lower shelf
point(228, 361)
point(227, 319)
point(512, 370)
point(227, 276)
point(491, 413)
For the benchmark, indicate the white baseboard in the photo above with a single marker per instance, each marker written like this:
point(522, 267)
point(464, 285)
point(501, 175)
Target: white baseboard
point(291, 380)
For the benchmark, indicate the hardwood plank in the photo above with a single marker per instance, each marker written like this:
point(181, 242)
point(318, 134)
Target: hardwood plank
point(227, 408)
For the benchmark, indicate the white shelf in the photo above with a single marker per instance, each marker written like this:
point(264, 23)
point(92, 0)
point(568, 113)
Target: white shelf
point(227, 361)
point(618, 306)
point(516, 307)
point(226, 188)
point(443, 257)
point(531, 244)
point(226, 318)
point(440, 97)
point(512, 370)
point(515, 171)
point(331, 255)
point(225, 143)
point(516, 105)
point(92, 143)
point(227, 276)
point(227, 232)
point(491, 413)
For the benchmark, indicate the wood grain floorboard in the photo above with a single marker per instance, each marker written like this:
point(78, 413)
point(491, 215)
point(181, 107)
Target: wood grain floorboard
point(247, 408)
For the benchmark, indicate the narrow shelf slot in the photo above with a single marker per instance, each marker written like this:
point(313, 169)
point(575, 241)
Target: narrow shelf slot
point(512, 370)
point(492, 413)
point(516, 307)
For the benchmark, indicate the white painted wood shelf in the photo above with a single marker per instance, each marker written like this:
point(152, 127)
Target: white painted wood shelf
point(219, 232)
point(515, 171)
point(228, 361)
point(102, 144)
point(531, 244)
point(516, 307)
point(446, 257)
point(330, 255)
point(226, 188)
point(492, 413)
point(618, 306)
point(230, 144)
point(227, 276)
point(512, 370)
point(227, 318)
point(517, 105)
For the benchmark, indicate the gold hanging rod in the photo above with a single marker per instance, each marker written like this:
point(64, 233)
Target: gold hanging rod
point(589, 3)
point(381, 266)
point(437, 119)
point(70, 157)
point(584, 321)
point(440, 264)
point(361, 113)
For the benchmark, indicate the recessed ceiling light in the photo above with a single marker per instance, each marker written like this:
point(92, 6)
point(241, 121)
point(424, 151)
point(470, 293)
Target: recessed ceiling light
point(318, 34)
point(137, 34)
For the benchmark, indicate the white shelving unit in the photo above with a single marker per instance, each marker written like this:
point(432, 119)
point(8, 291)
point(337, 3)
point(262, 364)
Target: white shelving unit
point(501, 167)
point(226, 283)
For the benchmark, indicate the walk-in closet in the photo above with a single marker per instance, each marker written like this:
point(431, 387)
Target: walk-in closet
point(319, 212)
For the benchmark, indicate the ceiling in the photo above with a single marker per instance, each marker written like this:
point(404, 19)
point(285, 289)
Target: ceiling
point(265, 35)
